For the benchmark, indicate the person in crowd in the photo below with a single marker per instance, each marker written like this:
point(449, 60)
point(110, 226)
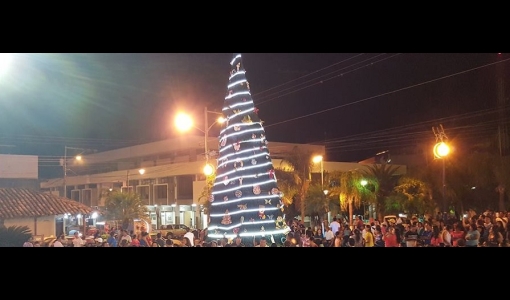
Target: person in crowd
point(334, 225)
point(472, 236)
point(59, 242)
point(358, 238)
point(411, 236)
point(77, 240)
point(112, 239)
point(29, 242)
point(262, 242)
point(390, 238)
point(436, 239)
point(369, 236)
point(238, 242)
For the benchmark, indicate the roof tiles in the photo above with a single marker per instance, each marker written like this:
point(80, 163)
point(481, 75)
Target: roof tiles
point(22, 203)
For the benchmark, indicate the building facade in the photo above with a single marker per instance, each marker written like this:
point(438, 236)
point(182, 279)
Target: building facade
point(172, 181)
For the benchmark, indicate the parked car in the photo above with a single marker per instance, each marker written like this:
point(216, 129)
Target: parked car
point(171, 231)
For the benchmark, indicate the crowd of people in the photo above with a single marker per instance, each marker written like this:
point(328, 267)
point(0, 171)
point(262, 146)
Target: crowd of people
point(489, 229)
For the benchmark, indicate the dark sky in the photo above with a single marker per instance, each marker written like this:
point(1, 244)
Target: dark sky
point(359, 103)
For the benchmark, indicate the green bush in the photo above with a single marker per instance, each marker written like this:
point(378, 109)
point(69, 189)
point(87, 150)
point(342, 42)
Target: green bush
point(14, 236)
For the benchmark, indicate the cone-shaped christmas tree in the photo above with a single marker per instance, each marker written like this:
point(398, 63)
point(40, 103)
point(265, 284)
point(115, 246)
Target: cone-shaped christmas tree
point(245, 198)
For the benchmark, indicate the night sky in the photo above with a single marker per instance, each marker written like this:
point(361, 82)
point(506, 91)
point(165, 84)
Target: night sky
point(357, 103)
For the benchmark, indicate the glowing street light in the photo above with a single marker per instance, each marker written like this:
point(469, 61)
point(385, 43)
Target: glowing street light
point(140, 171)
point(184, 122)
point(319, 159)
point(64, 164)
point(208, 170)
point(441, 151)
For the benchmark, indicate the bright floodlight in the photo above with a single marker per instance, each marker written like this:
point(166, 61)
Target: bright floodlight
point(141, 171)
point(5, 61)
point(441, 150)
point(183, 122)
point(317, 159)
point(208, 170)
point(364, 182)
point(94, 215)
point(78, 157)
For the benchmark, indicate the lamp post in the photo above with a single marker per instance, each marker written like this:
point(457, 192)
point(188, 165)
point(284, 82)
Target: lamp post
point(64, 165)
point(441, 150)
point(184, 122)
point(140, 171)
point(317, 159)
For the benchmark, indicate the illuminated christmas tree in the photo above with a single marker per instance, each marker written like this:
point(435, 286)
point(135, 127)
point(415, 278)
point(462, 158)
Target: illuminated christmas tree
point(245, 198)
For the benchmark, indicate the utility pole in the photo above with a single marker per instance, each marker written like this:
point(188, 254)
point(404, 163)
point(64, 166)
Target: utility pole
point(441, 150)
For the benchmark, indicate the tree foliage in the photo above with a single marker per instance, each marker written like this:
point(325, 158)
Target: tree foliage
point(317, 204)
point(299, 163)
point(125, 207)
point(14, 236)
point(385, 177)
point(413, 196)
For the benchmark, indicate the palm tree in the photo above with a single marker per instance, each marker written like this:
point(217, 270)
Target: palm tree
point(352, 192)
point(14, 236)
point(288, 186)
point(125, 208)
point(317, 204)
point(384, 174)
point(299, 163)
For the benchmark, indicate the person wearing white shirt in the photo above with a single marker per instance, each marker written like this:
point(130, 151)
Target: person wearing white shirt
point(190, 236)
point(329, 236)
point(125, 236)
point(58, 242)
point(334, 225)
point(77, 241)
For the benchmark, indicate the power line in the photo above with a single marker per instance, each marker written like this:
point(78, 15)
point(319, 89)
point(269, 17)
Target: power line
point(385, 94)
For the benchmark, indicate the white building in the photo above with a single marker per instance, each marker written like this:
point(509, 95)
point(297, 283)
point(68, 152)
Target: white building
point(173, 179)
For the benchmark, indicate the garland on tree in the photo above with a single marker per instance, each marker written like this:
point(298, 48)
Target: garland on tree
point(245, 199)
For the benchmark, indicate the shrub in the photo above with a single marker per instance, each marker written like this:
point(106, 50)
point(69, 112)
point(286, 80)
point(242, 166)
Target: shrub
point(14, 236)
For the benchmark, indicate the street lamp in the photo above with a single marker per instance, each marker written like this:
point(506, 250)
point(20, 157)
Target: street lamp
point(140, 171)
point(64, 164)
point(441, 151)
point(364, 183)
point(184, 122)
point(317, 159)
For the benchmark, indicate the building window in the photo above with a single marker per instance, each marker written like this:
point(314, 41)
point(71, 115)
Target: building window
point(161, 194)
point(86, 197)
point(185, 186)
point(75, 195)
point(144, 192)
